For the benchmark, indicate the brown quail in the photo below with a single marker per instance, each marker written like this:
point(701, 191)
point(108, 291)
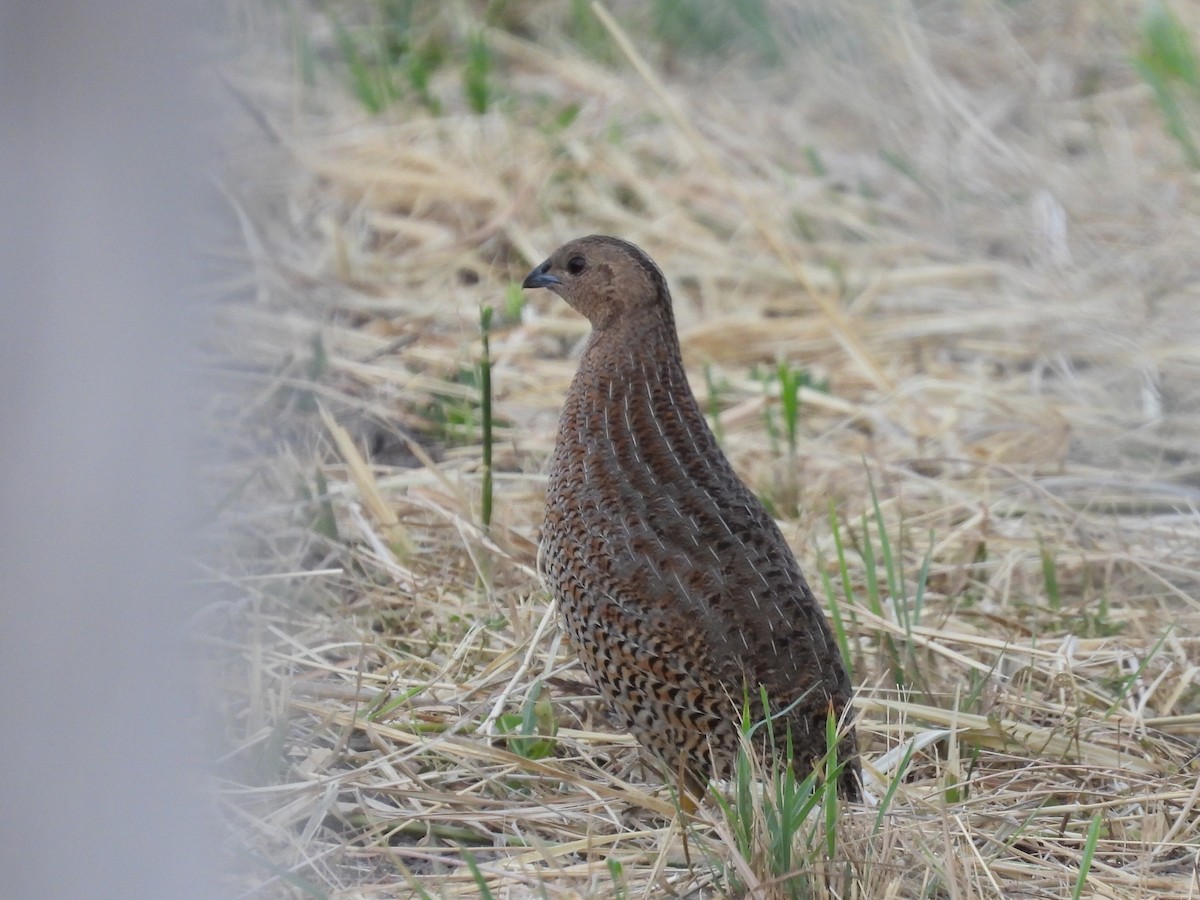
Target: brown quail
point(676, 586)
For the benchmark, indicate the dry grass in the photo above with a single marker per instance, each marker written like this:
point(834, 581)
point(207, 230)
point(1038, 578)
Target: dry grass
point(968, 218)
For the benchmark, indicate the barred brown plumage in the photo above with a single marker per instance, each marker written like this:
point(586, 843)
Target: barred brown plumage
point(676, 586)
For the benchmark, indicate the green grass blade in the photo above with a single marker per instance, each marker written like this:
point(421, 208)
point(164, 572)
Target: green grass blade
point(1050, 577)
point(480, 882)
point(485, 411)
point(830, 788)
point(839, 626)
point(1089, 851)
point(890, 794)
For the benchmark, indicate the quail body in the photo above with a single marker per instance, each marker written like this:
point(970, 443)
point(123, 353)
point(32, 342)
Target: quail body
point(675, 585)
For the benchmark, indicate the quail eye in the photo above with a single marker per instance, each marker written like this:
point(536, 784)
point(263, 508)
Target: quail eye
point(576, 264)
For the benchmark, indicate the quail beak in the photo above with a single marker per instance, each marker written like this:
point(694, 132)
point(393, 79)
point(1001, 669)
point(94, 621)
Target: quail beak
point(541, 277)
